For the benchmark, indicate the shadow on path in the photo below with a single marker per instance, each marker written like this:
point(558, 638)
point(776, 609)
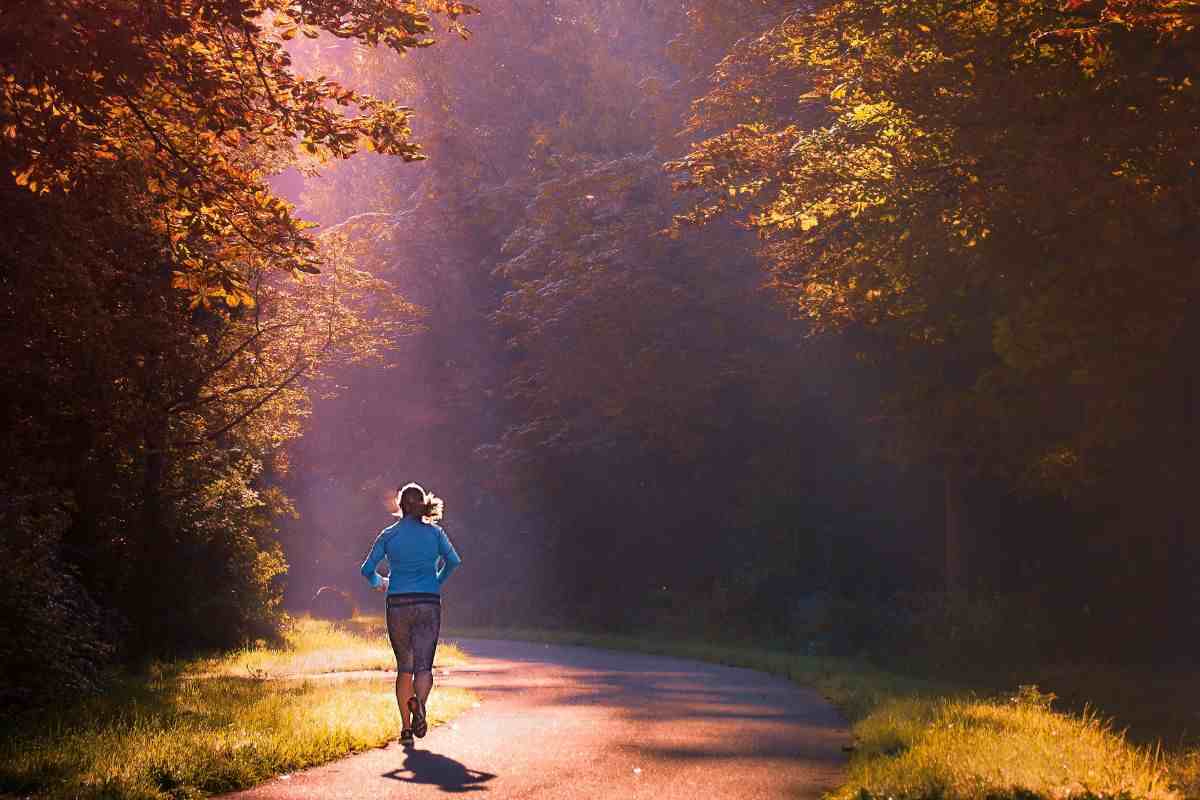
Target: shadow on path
point(422, 766)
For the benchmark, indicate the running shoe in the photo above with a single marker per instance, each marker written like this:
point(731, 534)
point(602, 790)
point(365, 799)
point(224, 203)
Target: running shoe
point(406, 738)
point(420, 725)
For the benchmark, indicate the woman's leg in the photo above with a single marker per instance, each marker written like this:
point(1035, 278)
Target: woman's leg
point(399, 625)
point(404, 690)
point(426, 627)
point(424, 685)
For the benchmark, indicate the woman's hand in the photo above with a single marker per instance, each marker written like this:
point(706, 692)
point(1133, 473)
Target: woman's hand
point(383, 584)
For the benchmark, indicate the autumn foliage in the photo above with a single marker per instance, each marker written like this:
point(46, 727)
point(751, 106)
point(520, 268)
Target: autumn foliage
point(165, 314)
point(1003, 192)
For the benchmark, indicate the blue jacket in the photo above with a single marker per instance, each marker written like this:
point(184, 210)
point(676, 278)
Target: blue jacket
point(420, 556)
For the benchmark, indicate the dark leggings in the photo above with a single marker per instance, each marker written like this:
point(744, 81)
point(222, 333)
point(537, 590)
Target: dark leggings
point(413, 629)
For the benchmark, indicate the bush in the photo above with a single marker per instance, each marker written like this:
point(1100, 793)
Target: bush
point(996, 630)
point(51, 632)
point(332, 603)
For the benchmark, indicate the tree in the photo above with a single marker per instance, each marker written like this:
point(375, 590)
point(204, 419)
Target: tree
point(167, 315)
point(981, 189)
point(620, 364)
point(541, 90)
point(185, 100)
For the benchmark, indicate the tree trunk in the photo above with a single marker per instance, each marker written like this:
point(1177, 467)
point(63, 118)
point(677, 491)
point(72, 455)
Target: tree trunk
point(1191, 417)
point(151, 552)
point(152, 479)
point(1184, 555)
point(956, 535)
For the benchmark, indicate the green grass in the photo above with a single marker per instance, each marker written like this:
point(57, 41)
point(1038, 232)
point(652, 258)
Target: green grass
point(1185, 773)
point(927, 740)
point(316, 646)
point(188, 729)
point(963, 747)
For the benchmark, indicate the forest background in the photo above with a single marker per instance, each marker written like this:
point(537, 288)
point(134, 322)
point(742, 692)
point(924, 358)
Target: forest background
point(854, 327)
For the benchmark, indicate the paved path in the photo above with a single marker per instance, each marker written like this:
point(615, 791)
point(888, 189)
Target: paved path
point(574, 722)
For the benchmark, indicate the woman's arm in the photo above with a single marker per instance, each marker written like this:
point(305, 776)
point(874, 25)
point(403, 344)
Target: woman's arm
point(376, 555)
point(450, 559)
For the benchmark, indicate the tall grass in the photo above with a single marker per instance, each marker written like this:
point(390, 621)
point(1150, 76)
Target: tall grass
point(1185, 773)
point(980, 749)
point(926, 740)
point(188, 729)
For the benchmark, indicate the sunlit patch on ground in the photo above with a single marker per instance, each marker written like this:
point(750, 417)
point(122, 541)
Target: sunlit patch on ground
point(195, 728)
point(316, 646)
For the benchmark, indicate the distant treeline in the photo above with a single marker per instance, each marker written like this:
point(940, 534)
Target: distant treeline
point(902, 362)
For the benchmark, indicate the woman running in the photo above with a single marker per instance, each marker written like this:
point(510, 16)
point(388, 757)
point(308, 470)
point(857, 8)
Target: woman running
point(421, 558)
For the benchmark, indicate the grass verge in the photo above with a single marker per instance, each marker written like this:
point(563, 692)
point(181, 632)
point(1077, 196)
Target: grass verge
point(314, 646)
point(926, 740)
point(190, 729)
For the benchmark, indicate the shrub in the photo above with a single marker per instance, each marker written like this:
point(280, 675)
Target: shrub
point(51, 632)
point(333, 603)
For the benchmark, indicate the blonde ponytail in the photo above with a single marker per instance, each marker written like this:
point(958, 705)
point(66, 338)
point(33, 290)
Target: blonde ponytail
point(431, 505)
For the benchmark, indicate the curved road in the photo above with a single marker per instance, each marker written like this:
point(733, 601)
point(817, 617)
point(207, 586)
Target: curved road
point(574, 722)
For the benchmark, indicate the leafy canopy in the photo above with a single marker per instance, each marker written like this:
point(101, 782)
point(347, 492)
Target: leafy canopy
point(183, 99)
point(1001, 192)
